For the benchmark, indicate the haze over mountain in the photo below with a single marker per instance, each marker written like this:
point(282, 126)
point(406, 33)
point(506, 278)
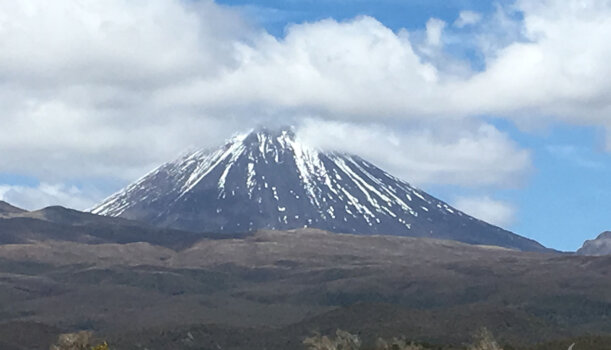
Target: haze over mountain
point(270, 180)
point(599, 246)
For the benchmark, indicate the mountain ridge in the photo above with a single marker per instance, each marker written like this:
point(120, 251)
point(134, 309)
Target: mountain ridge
point(268, 179)
point(59, 224)
point(9, 209)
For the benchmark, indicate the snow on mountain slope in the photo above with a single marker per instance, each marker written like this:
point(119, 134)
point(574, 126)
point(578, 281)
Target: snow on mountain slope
point(269, 180)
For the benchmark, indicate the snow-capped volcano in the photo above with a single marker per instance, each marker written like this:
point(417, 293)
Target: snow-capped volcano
point(269, 180)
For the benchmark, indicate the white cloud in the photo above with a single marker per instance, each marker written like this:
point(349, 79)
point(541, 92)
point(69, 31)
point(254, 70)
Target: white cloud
point(487, 209)
point(496, 31)
point(560, 72)
point(118, 42)
point(362, 70)
point(314, 69)
point(475, 156)
point(467, 18)
point(110, 90)
point(78, 81)
point(434, 30)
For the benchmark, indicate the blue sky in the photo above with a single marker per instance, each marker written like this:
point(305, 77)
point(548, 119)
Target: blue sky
point(563, 200)
point(275, 15)
point(504, 114)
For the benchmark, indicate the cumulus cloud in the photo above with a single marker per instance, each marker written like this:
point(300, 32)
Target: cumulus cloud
point(78, 80)
point(487, 209)
point(143, 43)
point(555, 68)
point(472, 157)
point(350, 70)
point(91, 90)
point(559, 72)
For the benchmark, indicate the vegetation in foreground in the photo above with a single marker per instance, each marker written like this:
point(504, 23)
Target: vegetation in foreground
point(342, 340)
point(78, 341)
point(483, 340)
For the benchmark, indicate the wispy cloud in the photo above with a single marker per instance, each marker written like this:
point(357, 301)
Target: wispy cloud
point(487, 209)
point(574, 155)
point(467, 18)
point(43, 195)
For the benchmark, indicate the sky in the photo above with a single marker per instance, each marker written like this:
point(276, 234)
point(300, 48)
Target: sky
point(500, 108)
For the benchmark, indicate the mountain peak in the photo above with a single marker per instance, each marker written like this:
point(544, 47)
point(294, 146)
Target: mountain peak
point(6, 209)
point(263, 136)
point(599, 246)
point(267, 179)
point(605, 235)
point(283, 131)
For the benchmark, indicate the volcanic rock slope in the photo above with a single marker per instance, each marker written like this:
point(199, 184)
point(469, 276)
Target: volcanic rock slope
point(599, 246)
point(269, 180)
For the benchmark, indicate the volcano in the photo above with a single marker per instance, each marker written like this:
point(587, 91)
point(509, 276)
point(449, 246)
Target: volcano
point(268, 179)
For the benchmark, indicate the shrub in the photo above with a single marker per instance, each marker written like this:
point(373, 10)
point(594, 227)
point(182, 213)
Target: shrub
point(342, 341)
point(103, 346)
point(77, 341)
point(73, 341)
point(396, 344)
point(484, 341)
point(346, 341)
